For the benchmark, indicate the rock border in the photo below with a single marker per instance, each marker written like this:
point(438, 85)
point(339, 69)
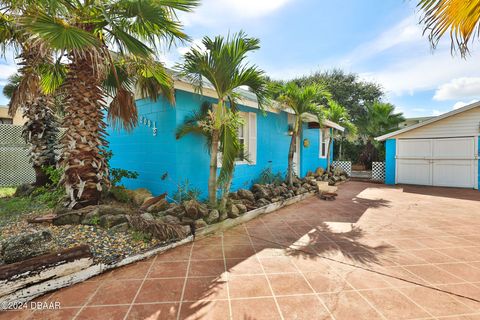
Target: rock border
point(26, 294)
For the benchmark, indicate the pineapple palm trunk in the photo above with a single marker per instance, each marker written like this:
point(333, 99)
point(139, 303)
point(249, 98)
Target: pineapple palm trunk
point(212, 178)
point(86, 171)
point(291, 152)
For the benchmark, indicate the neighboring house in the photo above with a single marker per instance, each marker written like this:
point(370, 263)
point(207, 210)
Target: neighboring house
point(5, 118)
point(411, 121)
point(164, 163)
point(442, 151)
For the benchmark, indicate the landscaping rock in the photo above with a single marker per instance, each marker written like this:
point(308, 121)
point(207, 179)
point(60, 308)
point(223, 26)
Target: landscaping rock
point(212, 217)
point(147, 216)
point(108, 221)
point(338, 171)
point(319, 171)
point(223, 216)
point(233, 212)
point(241, 207)
point(159, 206)
point(263, 202)
point(24, 190)
point(202, 210)
point(138, 196)
point(260, 191)
point(122, 227)
point(151, 201)
point(233, 195)
point(200, 223)
point(26, 246)
point(169, 219)
point(300, 190)
point(246, 194)
point(67, 218)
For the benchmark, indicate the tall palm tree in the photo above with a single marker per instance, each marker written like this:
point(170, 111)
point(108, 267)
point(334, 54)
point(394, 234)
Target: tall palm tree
point(222, 64)
point(25, 91)
point(339, 114)
point(459, 18)
point(302, 101)
point(85, 31)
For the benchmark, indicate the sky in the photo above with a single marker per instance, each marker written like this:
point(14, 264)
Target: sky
point(381, 41)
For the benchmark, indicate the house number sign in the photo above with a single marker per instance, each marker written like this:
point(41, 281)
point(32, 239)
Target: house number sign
point(149, 123)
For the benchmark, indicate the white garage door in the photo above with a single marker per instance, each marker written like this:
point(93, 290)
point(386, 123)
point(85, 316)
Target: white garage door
point(437, 162)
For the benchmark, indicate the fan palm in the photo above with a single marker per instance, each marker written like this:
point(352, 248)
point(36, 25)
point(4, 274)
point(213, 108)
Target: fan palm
point(223, 65)
point(85, 31)
point(460, 18)
point(301, 101)
point(339, 114)
point(25, 92)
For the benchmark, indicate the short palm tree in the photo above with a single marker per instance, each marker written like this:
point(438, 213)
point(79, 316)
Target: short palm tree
point(339, 114)
point(459, 18)
point(85, 31)
point(301, 101)
point(223, 65)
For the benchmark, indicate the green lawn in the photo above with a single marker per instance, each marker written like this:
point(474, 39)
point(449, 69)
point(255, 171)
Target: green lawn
point(7, 191)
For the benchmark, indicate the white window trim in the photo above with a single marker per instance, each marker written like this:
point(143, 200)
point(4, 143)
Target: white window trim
point(244, 116)
point(320, 142)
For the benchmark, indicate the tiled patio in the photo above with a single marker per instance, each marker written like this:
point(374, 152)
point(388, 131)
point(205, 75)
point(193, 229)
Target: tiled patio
point(374, 253)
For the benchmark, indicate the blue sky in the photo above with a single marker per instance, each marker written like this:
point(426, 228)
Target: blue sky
point(380, 40)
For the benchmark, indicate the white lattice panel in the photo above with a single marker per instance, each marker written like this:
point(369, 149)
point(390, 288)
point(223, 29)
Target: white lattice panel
point(15, 167)
point(345, 165)
point(378, 171)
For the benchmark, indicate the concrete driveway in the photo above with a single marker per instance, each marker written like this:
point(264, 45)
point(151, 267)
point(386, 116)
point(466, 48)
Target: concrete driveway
point(374, 253)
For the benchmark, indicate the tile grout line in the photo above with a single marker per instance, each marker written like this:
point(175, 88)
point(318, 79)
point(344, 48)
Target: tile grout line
point(89, 299)
point(140, 287)
point(228, 277)
point(185, 281)
point(264, 274)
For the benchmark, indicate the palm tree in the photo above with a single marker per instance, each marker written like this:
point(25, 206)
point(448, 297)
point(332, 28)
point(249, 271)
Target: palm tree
point(459, 18)
point(222, 65)
point(25, 90)
point(339, 114)
point(302, 101)
point(84, 32)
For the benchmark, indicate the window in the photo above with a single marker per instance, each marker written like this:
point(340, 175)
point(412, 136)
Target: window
point(324, 139)
point(242, 138)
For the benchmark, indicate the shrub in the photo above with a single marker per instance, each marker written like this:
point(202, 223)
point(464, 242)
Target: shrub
point(185, 192)
point(118, 174)
point(268, 177)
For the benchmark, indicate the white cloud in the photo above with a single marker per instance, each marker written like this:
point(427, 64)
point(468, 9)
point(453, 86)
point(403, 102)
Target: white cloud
point(458, 88)
point(6, 70)
point(196, 43)
point(216, 12)
point(461, 104)
point(436, 112)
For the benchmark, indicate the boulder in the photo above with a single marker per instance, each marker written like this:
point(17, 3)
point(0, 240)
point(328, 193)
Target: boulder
point(310, 173)
point(138, 196)
point(262, 202)
point(169, 219)
point(212, 217)
point(233, 212)
point(147, 216)
point(151, 201)
point(158, 206)
point(246, 194)
point(233, 195)
point(25, 246)
point(175, 210)
point(202, 210)
point(300, 190)
point(319, 171)
point(191, 208)
point(67, 218)
point(122, 227)
point(223, 216)
point(260, 191)
point(200, 223)
point(338, 171)
point(108, 220)
point(241, 207)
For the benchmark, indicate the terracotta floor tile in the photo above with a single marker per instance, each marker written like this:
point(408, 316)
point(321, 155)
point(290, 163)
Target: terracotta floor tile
point(436, 303)
point(244, 266)
point(433, 275)
point(393, 305)
point(302, 307)
point(15, 314)
point(258, 309)
point(116, 292)
point(462, 270)
point(248, 286)
point(60, 314)
point(327, 282)
point(363, 279)
point(349, 305)
point(155, 311)
point(135, 271)
point(278, 265)
point(205, 310)
point(286, 284)
point(177, 254)
point(169, 269)
point(205, 288)
point(206, 268)
point(103, 313)
point(77, 295)
point(202, 252)
point(160, 290)
point(236, 239)
point(239, 251)
point(431, 255)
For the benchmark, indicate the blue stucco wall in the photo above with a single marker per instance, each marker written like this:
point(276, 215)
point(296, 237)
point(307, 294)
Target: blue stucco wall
point(188, 158)
point(310, 156)
point(390, 163)
point(478, 168)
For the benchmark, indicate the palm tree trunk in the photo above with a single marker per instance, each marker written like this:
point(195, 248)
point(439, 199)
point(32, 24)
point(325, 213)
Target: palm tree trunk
point(291, 152)
point(330, 138)
point(212, 178)
point(86, 171)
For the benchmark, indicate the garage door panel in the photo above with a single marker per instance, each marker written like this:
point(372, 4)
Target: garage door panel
point(459, 148)
point(414, 148)
point(414, 172)
point(457, 173)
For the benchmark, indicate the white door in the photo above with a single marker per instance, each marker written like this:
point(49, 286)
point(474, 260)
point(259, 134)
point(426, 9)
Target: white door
point(437, 162)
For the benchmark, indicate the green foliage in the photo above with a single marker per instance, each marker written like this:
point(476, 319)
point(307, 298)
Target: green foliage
point(7, 192)
point(268, 177)
point(54, 174)
point(141, 236)
point(185, 192)
point(120, 194)
point(95, 220)
point(118, 174)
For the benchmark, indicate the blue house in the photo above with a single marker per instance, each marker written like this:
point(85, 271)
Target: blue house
point(442, 151)
point(164, 163)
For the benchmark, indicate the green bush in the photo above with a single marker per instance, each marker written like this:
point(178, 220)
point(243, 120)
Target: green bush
point(268, 177)
point(185, 192)
point(116, 175)
point(120, 194)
